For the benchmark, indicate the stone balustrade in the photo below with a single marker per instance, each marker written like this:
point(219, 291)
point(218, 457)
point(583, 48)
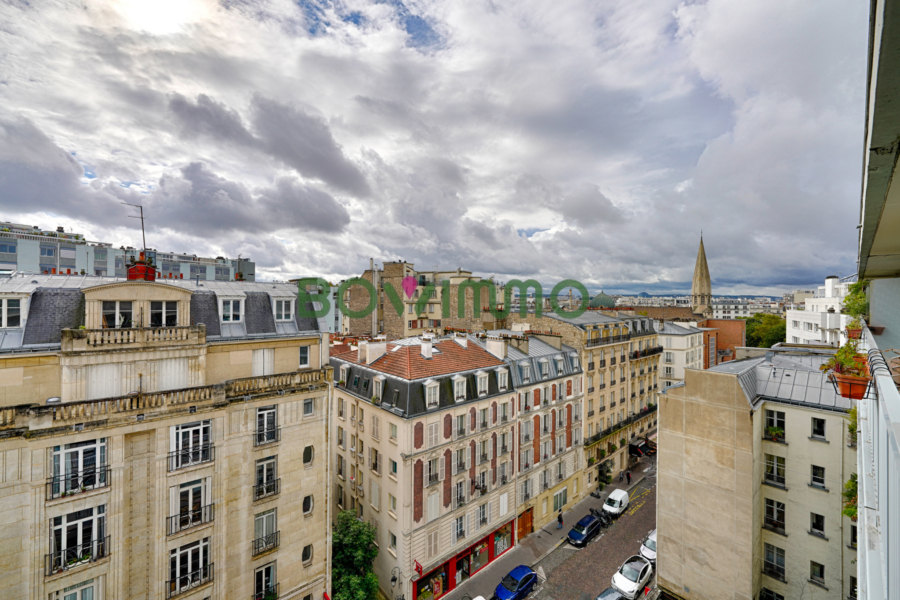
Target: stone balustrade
point(84, 340)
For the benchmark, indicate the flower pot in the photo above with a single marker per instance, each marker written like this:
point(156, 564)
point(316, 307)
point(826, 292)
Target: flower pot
point(854, 334)
point(851, 386)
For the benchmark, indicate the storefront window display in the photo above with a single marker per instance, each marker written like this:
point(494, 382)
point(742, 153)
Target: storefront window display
point(502, 539)
point(462, 569)
point(433, 585)
point(479, 555)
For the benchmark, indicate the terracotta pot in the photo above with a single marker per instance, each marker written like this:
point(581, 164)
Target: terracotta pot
point(854, 334)
point(851, 386)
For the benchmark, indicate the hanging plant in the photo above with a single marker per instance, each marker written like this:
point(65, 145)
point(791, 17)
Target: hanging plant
point(850, 370)
point(851, 498)
point(856, 302)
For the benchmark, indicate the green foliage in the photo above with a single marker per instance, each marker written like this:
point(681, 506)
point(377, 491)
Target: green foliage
point(852, 425)
point(851, 495)
point(843, 361)
point(856, 302)
point(353, 552)
point(855, 323)
point(622, 442)
point(774, 432)
point(765, 330)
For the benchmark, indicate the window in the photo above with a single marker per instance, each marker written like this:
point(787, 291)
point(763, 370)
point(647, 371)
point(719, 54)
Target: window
point(818, 476)
point(45, 251)
point(774, 515)
point(308, 505)
point(283, 310)
point(79, 467)
point(560, 499)
point(163, 314)
point(307, 554)
point(308, 454)
point(231, 311)
point(459, 389)
point(116, 315)
point(266, 425)
point(503, 379)
point(775, 469)
point(393, 431)
point(459, 527)
point(309, 407)
point(267, 482)
point(86, 590)
point(190, 444)
point(392, 540)
point(8, 248)
point(817, 572)
point(434, 507)
point(431, 394)
point(265, 586)
point(774, 562)
point(526, 373)
point(818, 428)
point(77, 538)
point(433, 434)
point(393, 466)
point(304, 356)
point(431, 546)
point(341, 408)
point(852, 593)
point(482, 385)
point(817, 524)
point(12, 316)
point(189, 566)
point(775, 418)
point(853, 536)
point(392, 503)
point(265, 534)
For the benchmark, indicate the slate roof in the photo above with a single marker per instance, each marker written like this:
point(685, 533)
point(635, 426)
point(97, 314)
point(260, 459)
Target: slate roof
point(538, 352)
point(673, 329)
point(205, 309)
point(50, 311)
point(258, 316)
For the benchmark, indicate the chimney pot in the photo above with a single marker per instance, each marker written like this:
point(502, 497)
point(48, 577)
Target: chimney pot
point(426, 348)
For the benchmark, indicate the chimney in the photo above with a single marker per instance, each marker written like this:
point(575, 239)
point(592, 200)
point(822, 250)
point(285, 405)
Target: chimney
point(426, 348)
point(462, 340)
point(363, 351)
point(376, 350)
point(497, 346)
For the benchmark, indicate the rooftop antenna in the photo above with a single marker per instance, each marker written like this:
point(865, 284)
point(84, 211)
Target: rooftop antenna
point(141, 217)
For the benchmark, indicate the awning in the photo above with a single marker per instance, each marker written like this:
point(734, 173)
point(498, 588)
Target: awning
point(636, 450)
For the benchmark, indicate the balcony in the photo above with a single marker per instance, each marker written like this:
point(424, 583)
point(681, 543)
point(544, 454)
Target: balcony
point(460, 432)
point(190, 518)
point(590, 390)
point(590, 414)
point(602, 341)
point(483, 425)
point(601, 364)
point(612, 361)
point(460, 467)
point(74, 483)
point(270, 593)
point(189, 581)
point(432, 480)
point(266, 489)
point(75, 556)
point(484, 459)
point(590, 366)
point(86, 340)
point(267, 436)
point(503, 450)
point(266, 543)
point(189, 457)
point(460, 501)
point(504, 418)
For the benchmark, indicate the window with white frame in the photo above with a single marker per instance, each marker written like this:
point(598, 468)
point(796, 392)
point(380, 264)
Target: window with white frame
point(116, 314)
point(459, 389)
point(304, 356)
point(482, 385)
point(503, 379)
point(12, 314)
point(309, 407)
point(189, 566)
point(284, 310)
point(163, 314)
point(431, 394)
point(79, 466)
point(77, 538)
point(232, 311)
point(190, 444)
point(433, 434)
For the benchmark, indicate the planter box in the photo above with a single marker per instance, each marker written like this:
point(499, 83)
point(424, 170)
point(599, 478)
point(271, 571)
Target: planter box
point(854, 334)
point(851, 386)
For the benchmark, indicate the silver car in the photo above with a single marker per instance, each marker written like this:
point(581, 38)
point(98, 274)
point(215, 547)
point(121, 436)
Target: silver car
point(632, 576)
point(648, 547)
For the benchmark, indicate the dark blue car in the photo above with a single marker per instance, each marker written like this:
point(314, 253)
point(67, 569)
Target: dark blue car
point(517, 584)
point(584, 530)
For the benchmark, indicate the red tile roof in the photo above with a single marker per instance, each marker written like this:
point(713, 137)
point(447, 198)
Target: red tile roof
point(450, 357)
point(339, 349)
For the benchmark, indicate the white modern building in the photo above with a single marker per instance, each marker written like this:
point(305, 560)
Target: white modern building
point(821, 322)
point(743, 308)
point(682, 349)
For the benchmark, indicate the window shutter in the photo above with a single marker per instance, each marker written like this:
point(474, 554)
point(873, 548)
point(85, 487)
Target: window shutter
point(467, 524)
point(504, 504)
point(489, 512)
point(173, 500)
point(441, 475)
point(453, 533)
point(173, 439)
point(468, 459)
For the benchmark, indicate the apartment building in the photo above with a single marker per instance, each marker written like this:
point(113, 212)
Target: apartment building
point(739, 308)
point(34, 250)
point(162, 439)
point(425, 449)
point(754, 513)
point(820, 321)
point(621, 361)
point(683, 348)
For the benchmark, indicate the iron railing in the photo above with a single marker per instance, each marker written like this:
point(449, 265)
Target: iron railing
point(88, 479)
point(190, 518)
point(267, 436)
point(266, 489)
point(187, 582)
point(266, 543)
point(270, 593)
point(188, 457)
point(74, 556)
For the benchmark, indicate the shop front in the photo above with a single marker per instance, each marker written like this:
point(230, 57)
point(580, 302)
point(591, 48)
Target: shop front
point(460, 568)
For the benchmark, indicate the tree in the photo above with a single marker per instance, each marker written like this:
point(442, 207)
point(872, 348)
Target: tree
point(353, 551)
point(765, 330)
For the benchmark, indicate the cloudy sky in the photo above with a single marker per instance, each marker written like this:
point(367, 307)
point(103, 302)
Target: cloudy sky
point(555, 139)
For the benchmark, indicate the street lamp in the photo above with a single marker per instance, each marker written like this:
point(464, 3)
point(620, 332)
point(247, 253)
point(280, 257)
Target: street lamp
point(396, 574)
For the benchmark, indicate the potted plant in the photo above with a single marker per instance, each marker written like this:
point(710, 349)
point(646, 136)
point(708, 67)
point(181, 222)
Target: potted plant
point(602, 453)
point(775, 433)
point(850, 370)
point(591, 461)
point(856, 303)
point(854, 328)
point(850, 494)
point(375, 399)
point(613, 448)
point(341, 382)
point(622, 443)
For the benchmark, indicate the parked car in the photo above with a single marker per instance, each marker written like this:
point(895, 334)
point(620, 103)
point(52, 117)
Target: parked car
point(610, 594)
point(517, 584)
point(648, 547)
point(632, 576)
point(584, 530)
point(617, 502)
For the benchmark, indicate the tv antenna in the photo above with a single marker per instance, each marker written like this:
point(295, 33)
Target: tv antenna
point(141, 217)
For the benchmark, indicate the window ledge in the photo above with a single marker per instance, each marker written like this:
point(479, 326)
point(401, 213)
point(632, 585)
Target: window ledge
point(852, 547)
point(779, 486)
point(817, 584)
point(393, 441)
point(391, 550)
point(814, 438)
point(392, 476)
point(769, 439)
point(821, 536)
point(773, 530)
point(390, 512)
point(819, 487)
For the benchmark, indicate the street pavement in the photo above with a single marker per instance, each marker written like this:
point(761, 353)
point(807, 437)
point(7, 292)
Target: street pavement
point(587, 568)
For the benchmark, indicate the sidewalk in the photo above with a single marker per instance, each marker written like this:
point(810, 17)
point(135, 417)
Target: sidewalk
point(530, 550)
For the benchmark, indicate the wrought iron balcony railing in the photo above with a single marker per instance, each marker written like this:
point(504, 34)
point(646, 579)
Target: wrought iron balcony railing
point(69, 484)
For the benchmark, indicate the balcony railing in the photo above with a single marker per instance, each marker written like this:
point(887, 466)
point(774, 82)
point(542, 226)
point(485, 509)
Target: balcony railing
point(590, 366)
point(187, 582)
point(590, 414)
point(270, 593)
point(191, 518)
point(188, 457)
point(432, 479)
point(601, 341)
point(89, 339)
point(266, 543)
point(601, 363)
point(74, 556)
point(70, 484)
point(267, 436)
point(266, 489)
point(460, 432)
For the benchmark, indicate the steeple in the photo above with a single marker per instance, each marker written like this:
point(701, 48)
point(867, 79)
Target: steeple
point(701, 288)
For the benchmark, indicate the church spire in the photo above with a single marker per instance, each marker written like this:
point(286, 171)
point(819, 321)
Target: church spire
point(701, 288)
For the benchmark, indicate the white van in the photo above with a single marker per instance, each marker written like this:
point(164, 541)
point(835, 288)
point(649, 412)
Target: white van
point(617, 502)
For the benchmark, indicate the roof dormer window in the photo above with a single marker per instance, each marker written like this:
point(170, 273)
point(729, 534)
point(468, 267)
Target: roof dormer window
point(545, 368)
point(283, 310)
point(11, 312)
point(503, 379)
point(431, 394)
point(164, 314)
point(526, 373)
point(459, 388)
point(559, 365)
point(232, 311)
point(482, 384)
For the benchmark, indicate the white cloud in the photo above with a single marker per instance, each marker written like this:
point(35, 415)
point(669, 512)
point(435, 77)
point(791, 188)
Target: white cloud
point(313, 135)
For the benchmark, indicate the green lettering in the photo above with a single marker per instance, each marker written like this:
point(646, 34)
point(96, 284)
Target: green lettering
point(394, 298)
point(357, 314)
point(554, 301)
point(304, 297)
point(523, 287)
point(423, 298)
point(476, 287)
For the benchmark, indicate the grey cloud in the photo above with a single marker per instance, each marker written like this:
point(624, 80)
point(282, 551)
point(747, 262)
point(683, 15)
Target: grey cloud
point(211, 118)
point(586, 205)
